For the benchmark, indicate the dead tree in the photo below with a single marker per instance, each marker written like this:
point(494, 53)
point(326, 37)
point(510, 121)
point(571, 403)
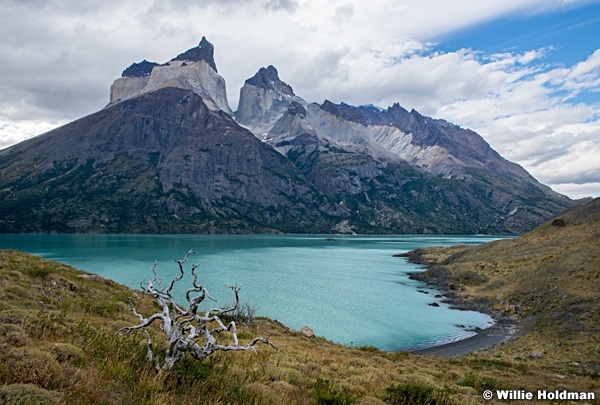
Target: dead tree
point(187, 330)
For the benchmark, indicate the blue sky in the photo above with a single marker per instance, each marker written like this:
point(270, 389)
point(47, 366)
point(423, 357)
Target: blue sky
point(524, 74)
point(569, 35)
point(572, 33)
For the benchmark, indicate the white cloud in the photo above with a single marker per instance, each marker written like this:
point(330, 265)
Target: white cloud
point(578, 190)
point(14, 132)
point(529, 122)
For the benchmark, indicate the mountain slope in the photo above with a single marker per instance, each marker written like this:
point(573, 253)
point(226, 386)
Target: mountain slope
point(160, 162)
point(59, 344)
point(401, 171)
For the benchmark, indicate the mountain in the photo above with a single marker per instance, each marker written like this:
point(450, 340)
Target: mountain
point(193, 70)
point(398, 169)
point(159, 162)
point(165, 155)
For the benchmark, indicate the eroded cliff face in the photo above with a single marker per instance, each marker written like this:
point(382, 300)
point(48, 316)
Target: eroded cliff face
point(193, 70)
point(264, 98)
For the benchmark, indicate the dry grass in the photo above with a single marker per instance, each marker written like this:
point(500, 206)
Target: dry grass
point(548, 280)
point(59, 343)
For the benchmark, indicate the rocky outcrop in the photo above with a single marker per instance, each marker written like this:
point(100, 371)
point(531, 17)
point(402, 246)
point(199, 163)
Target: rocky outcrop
point(203, 52)
point(193, 70)
point(264, 98)
point(308, 332)
point(142, 69)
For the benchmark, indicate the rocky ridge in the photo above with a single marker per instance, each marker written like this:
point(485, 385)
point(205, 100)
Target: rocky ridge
point(501, 194)
point(166, 156)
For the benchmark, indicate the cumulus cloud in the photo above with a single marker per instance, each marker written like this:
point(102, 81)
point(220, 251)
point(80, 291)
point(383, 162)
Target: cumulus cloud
point(529, 121)
point(60, 57)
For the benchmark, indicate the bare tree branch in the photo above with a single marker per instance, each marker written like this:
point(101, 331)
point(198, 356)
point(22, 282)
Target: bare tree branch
point(187, 330)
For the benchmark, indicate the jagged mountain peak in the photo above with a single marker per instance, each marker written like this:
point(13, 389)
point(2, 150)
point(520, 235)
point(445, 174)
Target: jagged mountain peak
point(141, 69)
point(204, 51)
point(268, 78)
point(193, 69)
point(264, 99)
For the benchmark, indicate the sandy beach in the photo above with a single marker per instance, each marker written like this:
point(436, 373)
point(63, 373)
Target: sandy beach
point(485, 338)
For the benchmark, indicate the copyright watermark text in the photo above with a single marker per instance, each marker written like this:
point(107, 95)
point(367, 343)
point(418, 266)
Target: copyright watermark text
point(539, 395)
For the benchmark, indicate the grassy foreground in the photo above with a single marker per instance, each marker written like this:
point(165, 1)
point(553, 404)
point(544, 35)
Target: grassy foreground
point(59, 340)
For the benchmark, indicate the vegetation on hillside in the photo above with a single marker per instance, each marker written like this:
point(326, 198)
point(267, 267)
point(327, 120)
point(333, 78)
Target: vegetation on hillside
point(60, 340)
point(546, 280)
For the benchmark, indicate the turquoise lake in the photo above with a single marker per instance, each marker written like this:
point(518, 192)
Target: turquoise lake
point(350, 290)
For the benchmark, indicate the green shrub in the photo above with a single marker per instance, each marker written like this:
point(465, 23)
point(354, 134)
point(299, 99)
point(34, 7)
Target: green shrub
point(27, 394)
point(30, 366)
point(413, 393)
point(491, 363)
point(327, 394)
point(15, 316)
point(66, 353)
point(47, 323)
point(37, 271)
point(480, 382)
point(189, 371)
point(13, 335)
point(368, 349)
point(15, 292)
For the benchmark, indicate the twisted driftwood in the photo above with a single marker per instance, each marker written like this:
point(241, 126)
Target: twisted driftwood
point(184, 328)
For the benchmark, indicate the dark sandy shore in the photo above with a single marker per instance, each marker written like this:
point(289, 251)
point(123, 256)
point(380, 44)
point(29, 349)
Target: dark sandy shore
point(485, 338)
point(503, 329)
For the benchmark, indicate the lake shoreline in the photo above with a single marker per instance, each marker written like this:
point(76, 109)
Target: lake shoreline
point(503, 329)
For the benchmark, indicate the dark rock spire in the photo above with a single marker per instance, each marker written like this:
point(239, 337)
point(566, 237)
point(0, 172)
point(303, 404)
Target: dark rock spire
point(204, 51)
point(144, 68)
point(268, 78)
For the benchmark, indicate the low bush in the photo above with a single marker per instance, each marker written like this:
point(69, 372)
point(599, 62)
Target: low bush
point(13, 335)
point(38, 271)
point(414, 393)
point(14, 394)
point(30, 366)
point(15, 316)
point(66, 353)
point(327, 394)
point(480, 382)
